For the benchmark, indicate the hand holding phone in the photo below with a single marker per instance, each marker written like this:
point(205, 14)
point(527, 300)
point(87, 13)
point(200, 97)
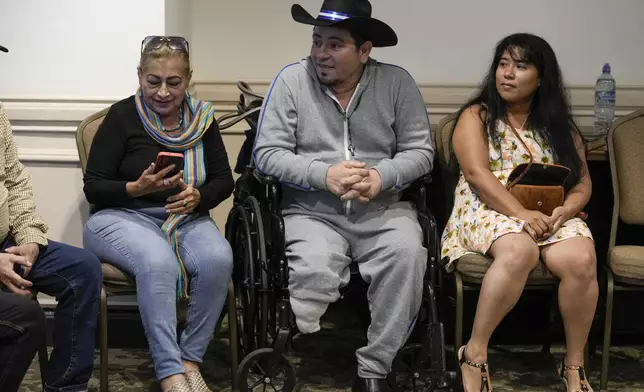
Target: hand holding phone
point(165, 173)
point(165, 159)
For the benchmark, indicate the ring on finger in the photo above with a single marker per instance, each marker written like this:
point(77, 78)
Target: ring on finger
point(185, 202)
point(166, 182)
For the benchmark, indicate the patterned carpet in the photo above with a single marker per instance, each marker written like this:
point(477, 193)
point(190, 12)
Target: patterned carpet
point(325, 362)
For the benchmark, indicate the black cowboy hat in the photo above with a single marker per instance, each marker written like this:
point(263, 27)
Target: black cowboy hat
point(353, 15)
point(3, 49)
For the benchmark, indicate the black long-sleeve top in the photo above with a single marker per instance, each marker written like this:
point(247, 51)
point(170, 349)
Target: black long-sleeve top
point(122, 150)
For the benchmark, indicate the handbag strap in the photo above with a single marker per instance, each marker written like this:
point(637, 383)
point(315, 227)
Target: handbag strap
point(230, 119)
point(245, 107)
point(516, 180)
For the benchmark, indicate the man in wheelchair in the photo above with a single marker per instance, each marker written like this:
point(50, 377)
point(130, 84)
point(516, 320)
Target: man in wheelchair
point(346, 134)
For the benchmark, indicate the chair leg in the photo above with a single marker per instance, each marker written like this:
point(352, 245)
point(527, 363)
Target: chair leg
point(103, 334)
point(43, 359)
point(608, 324)
point(232, 335)
point(222, 317)
point(458, 333)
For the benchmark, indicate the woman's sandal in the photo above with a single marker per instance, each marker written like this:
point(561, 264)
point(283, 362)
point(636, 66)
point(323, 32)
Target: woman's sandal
point(486, 383)
point(582, 376)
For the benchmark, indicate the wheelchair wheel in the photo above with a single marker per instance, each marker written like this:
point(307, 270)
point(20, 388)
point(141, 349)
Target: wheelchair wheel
point(409, 371)
point(250, 276)
point(244, 279)
point(261, 271)
point(261, 370)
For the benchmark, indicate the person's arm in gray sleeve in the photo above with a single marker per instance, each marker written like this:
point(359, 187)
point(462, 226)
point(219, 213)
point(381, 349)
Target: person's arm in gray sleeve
point(414, 141)
point(274, 151)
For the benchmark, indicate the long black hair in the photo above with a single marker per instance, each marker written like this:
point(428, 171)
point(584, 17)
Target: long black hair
point(550, 116)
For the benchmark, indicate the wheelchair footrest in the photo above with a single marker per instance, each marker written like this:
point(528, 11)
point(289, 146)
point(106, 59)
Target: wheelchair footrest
point(445, 380)
point(281, 342)
point(437, 347)
point(420, 366)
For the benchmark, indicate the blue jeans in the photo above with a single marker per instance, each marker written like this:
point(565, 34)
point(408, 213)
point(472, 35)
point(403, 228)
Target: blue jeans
point(133, 241)
point(22, 332)
point(74, 277)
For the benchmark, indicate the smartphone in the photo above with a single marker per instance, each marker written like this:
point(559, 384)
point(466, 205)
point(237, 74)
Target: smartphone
point(20, 269)
point(165, 159)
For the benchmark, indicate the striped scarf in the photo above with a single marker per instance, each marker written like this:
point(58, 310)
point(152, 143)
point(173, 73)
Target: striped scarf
point(198, 115)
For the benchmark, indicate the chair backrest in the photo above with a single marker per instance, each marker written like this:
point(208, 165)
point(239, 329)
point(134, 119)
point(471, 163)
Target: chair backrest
point(85, 135)
point(626, 152)
point(443, 136)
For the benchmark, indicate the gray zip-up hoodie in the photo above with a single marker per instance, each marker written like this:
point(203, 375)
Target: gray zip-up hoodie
point(303, 130)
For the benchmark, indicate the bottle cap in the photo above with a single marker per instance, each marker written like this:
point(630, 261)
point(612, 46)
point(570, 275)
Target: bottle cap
point(606, 68)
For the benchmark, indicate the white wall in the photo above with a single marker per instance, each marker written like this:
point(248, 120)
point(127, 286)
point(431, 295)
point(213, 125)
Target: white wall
point(441, 42)
point(74, 48)
point(177, 18)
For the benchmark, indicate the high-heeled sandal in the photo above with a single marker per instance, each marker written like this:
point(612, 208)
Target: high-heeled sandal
point(486, 383)
point(582, 376)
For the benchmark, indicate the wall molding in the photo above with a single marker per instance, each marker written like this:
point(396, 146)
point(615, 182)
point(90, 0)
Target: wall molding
point(49, 116)
point(53, 110)
point(48, 155)
point(60, 116)
point(441, 100)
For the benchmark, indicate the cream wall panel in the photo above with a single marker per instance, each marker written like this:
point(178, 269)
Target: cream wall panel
point(447, 42)
point(59, 198)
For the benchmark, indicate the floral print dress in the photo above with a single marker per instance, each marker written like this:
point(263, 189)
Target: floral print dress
point(473, 226)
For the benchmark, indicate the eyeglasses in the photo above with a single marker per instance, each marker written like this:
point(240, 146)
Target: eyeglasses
point(155, 41)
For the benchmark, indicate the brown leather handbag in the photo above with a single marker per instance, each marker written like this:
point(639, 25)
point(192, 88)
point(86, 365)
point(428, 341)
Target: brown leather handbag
point(538, 186)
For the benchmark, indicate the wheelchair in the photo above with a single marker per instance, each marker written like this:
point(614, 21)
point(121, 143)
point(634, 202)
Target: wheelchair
point(255, 230)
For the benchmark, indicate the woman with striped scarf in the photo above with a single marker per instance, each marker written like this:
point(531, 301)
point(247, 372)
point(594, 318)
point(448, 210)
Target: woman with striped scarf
point(154, 222)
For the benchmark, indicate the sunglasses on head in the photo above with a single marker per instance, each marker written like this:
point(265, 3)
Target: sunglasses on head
point(154, 42)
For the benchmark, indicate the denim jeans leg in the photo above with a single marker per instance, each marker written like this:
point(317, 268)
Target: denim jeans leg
point(74, 277)
point(22, 331)
point(134, 242)
point(209, 261)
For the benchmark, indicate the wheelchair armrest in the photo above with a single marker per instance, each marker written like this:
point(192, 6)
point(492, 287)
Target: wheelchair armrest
point(417, 192)
point(424, 180)
point(264, 179)
point(272, 188)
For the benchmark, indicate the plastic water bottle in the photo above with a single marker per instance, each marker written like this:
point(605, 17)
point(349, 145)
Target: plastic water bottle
point(604, 102)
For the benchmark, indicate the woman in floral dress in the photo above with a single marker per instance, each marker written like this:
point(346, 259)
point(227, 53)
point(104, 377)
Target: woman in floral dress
point(522, 95)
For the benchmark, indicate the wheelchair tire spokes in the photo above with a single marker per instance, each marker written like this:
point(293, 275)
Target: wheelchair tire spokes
point(261, 270)
point(245, 295)
point(264, 370)
point(251, 278)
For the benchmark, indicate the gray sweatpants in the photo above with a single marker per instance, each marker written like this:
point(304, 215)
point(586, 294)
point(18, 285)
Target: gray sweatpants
point(386, 242)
